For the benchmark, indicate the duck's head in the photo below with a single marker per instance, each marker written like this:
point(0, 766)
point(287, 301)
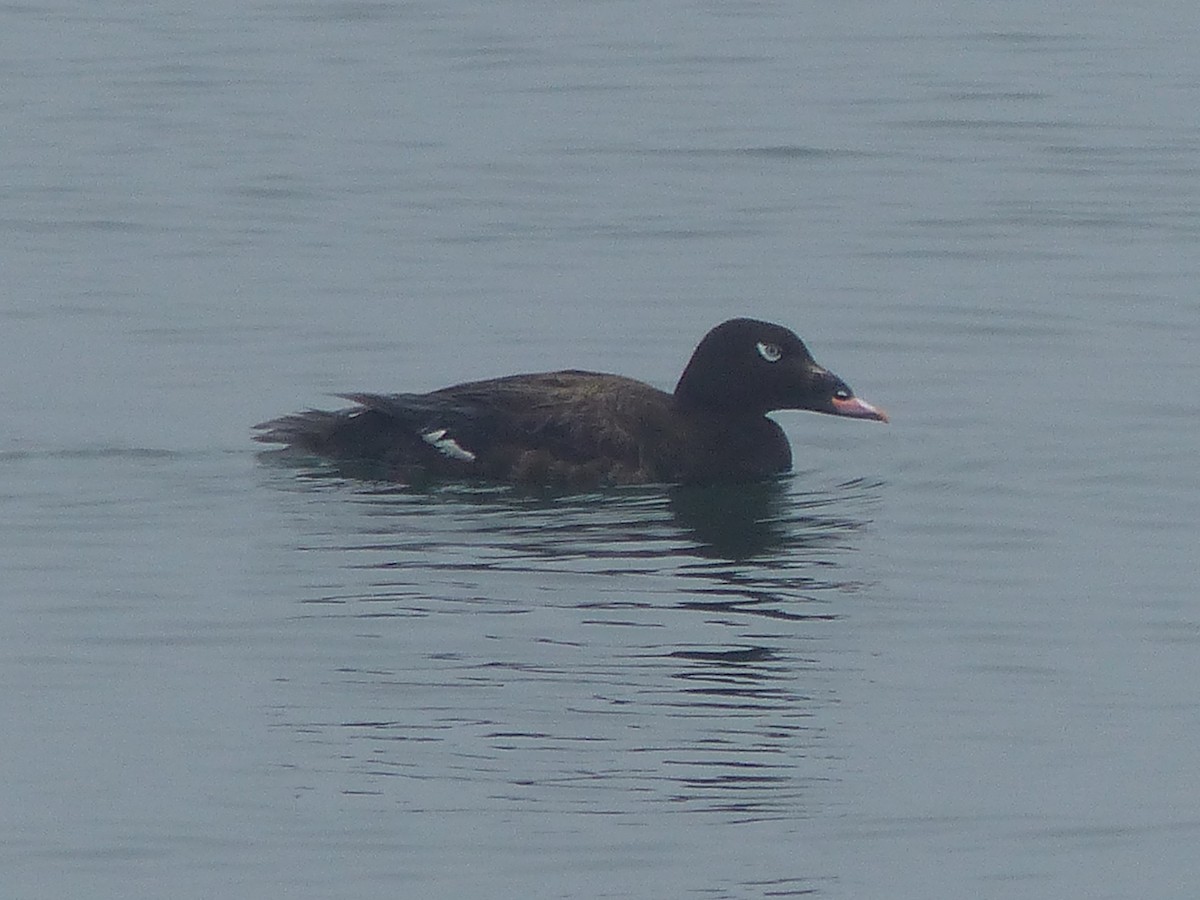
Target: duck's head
point(746, 366)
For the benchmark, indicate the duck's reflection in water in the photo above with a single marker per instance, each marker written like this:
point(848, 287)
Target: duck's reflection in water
point(676, 644)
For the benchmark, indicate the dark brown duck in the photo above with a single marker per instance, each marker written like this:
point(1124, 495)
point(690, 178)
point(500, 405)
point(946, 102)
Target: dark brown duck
point(587, 428)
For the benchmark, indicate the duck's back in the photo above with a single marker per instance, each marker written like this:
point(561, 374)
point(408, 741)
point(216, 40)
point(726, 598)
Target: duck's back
point(569, 427)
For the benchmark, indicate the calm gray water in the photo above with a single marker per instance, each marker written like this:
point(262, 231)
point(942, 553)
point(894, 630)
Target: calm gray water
point(955, 656)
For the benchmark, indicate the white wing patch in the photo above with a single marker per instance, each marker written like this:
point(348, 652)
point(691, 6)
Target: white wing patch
point(447, 446)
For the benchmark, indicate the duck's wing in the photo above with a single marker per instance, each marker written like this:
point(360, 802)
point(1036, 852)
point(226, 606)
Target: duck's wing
point(567, 427)
point(391, 429)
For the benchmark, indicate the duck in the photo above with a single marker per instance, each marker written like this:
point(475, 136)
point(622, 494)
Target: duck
point(582, 429)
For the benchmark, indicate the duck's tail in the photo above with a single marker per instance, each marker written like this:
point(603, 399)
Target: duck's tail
point(314, 430)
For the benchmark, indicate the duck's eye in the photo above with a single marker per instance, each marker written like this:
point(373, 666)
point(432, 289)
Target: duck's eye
point(841, 394)
point(769, 352)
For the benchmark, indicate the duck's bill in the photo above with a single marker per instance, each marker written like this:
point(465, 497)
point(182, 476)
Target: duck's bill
point(855, 408)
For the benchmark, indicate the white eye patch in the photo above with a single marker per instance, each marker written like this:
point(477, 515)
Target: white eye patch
point(769, 352)
point(446, 445)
